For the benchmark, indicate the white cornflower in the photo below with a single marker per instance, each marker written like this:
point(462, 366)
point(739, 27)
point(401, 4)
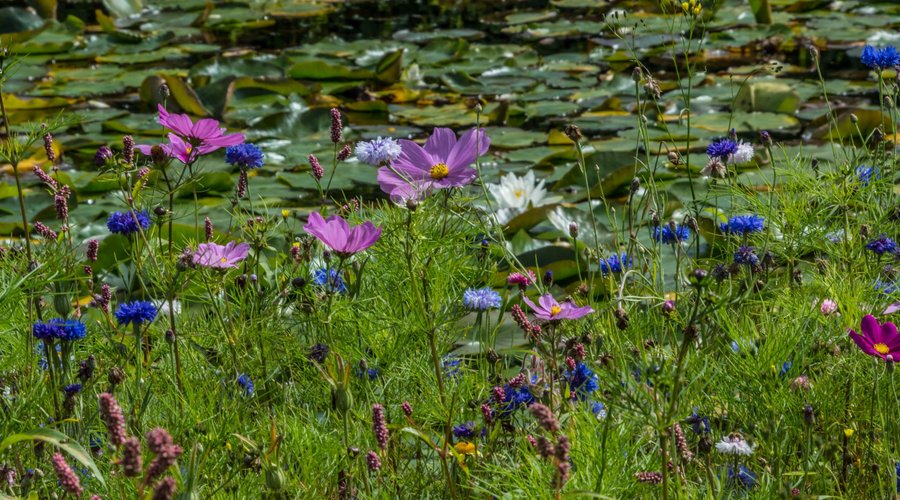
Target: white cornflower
point(734, 444)
point(513, 195)
point(743, 154)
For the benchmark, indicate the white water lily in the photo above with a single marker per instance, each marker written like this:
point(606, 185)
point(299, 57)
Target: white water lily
point(514, 195)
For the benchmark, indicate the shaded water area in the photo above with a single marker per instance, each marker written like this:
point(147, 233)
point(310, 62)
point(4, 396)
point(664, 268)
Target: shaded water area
point(400, 68)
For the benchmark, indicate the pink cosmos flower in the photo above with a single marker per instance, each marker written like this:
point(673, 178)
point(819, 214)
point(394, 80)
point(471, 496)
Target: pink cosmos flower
point(522, 280)
point(878, 340)
point(891, 309)
point(188, 140)
point(219, 256)
point(444, 162)
point(551, 310)
point(339, 236)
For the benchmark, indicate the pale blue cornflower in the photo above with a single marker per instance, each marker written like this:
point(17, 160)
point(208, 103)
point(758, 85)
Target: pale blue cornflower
point(378, 151)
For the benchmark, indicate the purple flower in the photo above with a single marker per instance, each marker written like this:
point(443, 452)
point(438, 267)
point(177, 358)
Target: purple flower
point(877, 340)
point(442, 164)
point(191, 140)
point(882, 245)
point(339, 236)
point(219, 256)
point(551, 310)
point(722, 149)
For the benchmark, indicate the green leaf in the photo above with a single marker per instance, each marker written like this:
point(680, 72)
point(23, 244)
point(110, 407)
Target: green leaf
point(59, 440)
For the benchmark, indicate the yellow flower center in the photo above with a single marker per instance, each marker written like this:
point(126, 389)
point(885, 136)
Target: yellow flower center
point(882, 348)
point(439, 171)
point(465, 448)
point(519, 193)
point(189, 148)
point(224, 260)
point(555, 310)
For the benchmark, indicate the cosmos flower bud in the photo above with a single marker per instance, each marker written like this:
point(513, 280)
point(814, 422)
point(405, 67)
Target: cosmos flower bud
point(115, 377)
point(164, 91)
point(275, 478)
point(158, 154)
point(412, 204)
point(636, 74)
point(668, 307)
point(674, 158)
point(573, 132)
point(102, 155)
point(573, 229)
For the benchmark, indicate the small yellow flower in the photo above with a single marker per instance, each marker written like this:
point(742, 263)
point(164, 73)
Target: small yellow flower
point(285, 213)
point(296, 244)
point(697, 9)
point(465, 448)
point(685, 7)
point(228, 446)
point(848, 433)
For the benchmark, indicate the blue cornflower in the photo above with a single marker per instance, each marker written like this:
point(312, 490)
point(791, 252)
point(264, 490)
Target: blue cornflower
point(450, 364)
point(598, 409)
point(898, 477)
point(365, 371)
point(136, 312)
point(45, 331)
point(835, 236)
point(513, 399)
point(69, 329)
point(465, 430)
point(699, 423)
point(743, 224)
point(244, 155)
point(331, 280)
point(735, 347)
point(72, 389)
point(616, 263)
point(481, 299)
point(722, 149)
point(886, 287)
point(582, 381)
point(785, 368)
point(744, 478)
point(378, 151)
point(865, 174)
point(126, 223)
point(746, 255)
point(246, 382)
point(882, 245)
point(886, 57)
point(666, 236)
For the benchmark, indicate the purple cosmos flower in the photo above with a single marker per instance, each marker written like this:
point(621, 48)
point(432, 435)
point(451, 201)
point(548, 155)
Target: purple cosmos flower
point(551, 310)
point(441, 164)
point(878, 340)
point(191, 140)
point(221, 256)
point(339, 236)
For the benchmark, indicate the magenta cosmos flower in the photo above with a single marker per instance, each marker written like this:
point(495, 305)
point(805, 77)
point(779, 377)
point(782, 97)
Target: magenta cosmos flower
point(444, 162)
point(221, 256)
point(188, 140)
point(878, 340)
point(551, 310)
point(339, 236)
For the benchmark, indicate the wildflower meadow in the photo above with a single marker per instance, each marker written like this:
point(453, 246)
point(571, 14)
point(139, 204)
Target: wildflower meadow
point(543, 249)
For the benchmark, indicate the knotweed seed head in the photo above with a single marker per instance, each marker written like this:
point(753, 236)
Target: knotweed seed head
point(317, 171)
point(67, 478)
point(545, 447)
point(208, 229)
point(165, 489)
point(45, 231)
point(545, 417)
point(103, 155)
point(44, 177)
point(128, 149)
point(48, 147)
point(344, 153)
point(132, 460)
point(337, 129)
point(648, 477)
point(373, 462)
point(407, 408)
point(379, 426)
point(113, 418)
